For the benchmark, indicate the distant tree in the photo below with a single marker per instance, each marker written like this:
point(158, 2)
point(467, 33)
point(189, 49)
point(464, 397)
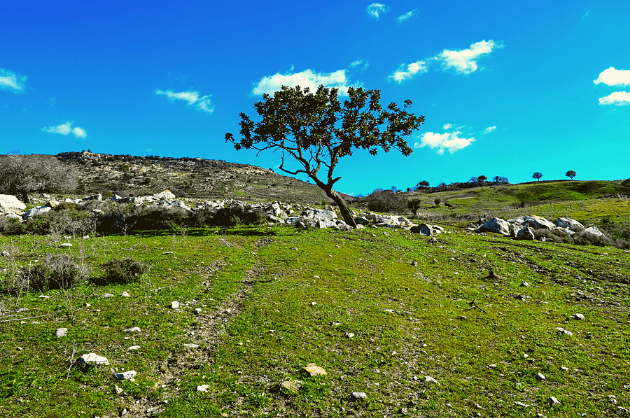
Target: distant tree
point(24, 174)
point(316, 130)
point(423, 184)
point(473, 180)
point(437, 201)
point(408, 189)
point(500, 180)
point(537, 175)
point(414, 205)
point(482, 178)
point(571, 174)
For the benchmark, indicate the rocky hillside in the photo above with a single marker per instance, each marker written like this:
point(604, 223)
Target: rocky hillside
point(186, 177)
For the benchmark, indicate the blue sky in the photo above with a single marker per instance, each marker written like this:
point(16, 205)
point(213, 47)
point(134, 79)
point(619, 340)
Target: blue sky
point(507, 88)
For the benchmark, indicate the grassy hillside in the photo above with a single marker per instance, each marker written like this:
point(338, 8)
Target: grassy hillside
point(354, 304)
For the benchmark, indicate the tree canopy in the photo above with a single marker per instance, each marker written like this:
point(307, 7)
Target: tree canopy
point(571, 174)
point(315, 130)
point(537, 175)
point(24, 174)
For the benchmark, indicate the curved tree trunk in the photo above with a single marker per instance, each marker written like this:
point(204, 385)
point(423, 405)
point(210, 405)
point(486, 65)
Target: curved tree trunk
point(343, 207)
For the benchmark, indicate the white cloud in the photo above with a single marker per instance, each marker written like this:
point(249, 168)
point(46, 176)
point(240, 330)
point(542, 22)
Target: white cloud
point(375, 8)
point(447, 126)
point(464, 61)
point(586, 15)
point(418, 67)
point(192, 97)
point(450, 141)
point(618, 98)
point(65, 129)
point(11, 81)
point(306, 78)
point(407, 16)
point(613, 77)
point(489, 129)
point(356, 63)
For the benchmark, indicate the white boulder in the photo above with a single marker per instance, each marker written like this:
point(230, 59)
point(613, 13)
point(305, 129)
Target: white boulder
point(9, 203)
point(166, 194)
point(497, 225)
point(569, 223)
point(535, 222)
point(36, 211)
point(93, 358)
point(525, 233)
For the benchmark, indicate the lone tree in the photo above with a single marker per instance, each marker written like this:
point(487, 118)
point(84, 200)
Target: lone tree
point(24, 174)
point(482, 178)
point(423, 184)
point(413, 205)
point(571, 174)
point(537, 175)
point(316, 130)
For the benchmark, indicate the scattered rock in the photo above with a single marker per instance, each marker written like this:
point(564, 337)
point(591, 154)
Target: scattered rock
point(414, 263)
point(541, 376)
point(174, 305)
point(202, 388)
point(118, 390)
point(314, 370)
point(552, 401)
point(358, 395)
point(429, 379)
point(65, 245)
point(125, 295)
point(578, 316)
point(92, 358)
point(496, 225)
point(128, 375)
point(133, 329)
point(525, 284)
point(292, 386)
point(107, 295)
point(10, 203)
point(191, 345)
point(198, 311)
point(564, 331)
point(525, 234)
point(61, 332)
point(349, 335)
point(134, 348)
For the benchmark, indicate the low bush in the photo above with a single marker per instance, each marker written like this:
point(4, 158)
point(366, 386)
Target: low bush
point(11, 226)
point(586, 238)
point(56, 271)
point(121, 271)
point(238, 215)
point(555, 236)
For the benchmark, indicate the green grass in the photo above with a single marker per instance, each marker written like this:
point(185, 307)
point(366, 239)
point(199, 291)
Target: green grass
point(266, 316)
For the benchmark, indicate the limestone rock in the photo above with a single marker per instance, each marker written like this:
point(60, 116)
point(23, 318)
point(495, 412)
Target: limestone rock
point(10, 204)
point(535, 222)
point(578, 316)
point(569, 223)
point(126, 375)
point(292, 386)
point(552, 401)
point(40, 210)
point(166, 195)
point(314, 370)
point(174, 305)
point(133, 329)
point(358, 395)
point(61, 332)
point(429, 379)
point(423, 229)
point(202, 388)
point(525, 233)
point(496, 225)
point(92, 358)
point(594, 231)
point(98, 197)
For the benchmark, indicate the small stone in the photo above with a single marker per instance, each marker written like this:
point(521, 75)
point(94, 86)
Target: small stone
point(461, 317)
point(125, 295)
point(429, 379)
point(202, 388)
point(541, 376)
point(292, 386)
point(93, 358)
point(358, 395)
point(294, 248)
point(65, 245)
point(313, 303)
point(578, 316)
point(198, 311)
point(61, 332)
point(128, 375)
point(622, 411)
point(43, 297)
point(167, 252)
point(315, 277)
point(118, 390)
point(349, 334)
point(414, 263)
point(174, 305)
point(564, 368)
point(552, 401)
point(521, 404)
point(314, 370)
point(134, 348)
point(87, 305)
point(435, 261)
point(525, 284)
point(191, 345)
point(133, 329)
point(335, 324)
point(564, 331)
point(107, 295)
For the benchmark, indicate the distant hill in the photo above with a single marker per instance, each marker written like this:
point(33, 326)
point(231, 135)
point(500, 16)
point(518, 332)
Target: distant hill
point(185, 177)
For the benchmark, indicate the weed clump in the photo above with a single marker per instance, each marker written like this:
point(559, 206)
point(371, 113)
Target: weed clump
point(122, 271)
point(57, 271)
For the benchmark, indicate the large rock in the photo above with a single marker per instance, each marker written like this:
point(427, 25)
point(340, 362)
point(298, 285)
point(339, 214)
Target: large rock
point(593, 231)
point(98, 197)
point(10, 203)
point(525, 233)
point(40, 210)
point(92, 358)
point(498, 225)
point(166, 195)
point(535, 222)
point(569, 223)
point(423, 229)
point(326, 215)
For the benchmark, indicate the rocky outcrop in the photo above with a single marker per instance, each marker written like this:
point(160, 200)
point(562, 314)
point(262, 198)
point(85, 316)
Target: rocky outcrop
point(569, 223)
point(535, 222)
point(10, 204)
point(497, 225)
point(525, 233)
point(40, 210)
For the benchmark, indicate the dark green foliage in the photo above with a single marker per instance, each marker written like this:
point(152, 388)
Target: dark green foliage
point(56, 271)
point(553, 236)
point(537, 175)
point(437, 201)
point(571, 174)
point(121, 271)
point(11, 226)
point(238, 215)
point(414, 205)
point(385, 201)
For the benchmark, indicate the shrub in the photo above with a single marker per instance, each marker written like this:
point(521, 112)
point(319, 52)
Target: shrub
point(238, 215)
point(414, 205)
point(57, 271)
point(437, 201)
point(9, 226)
point(555, 235)
point(585, 238)
point(122, 271)
point(386, 201)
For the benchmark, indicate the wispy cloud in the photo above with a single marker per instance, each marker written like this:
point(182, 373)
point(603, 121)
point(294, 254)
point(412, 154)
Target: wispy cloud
point(402, 73)
point(375, 9)
point(66, 129)
point(613, 77)
point(450, 141)
point(12, 81)
point(407, 16)
point(618, 98)
point(464, 61)
point(447, 126)
point(306, 78)
point(586, 15)
point(192, 97)
point(489, 129)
